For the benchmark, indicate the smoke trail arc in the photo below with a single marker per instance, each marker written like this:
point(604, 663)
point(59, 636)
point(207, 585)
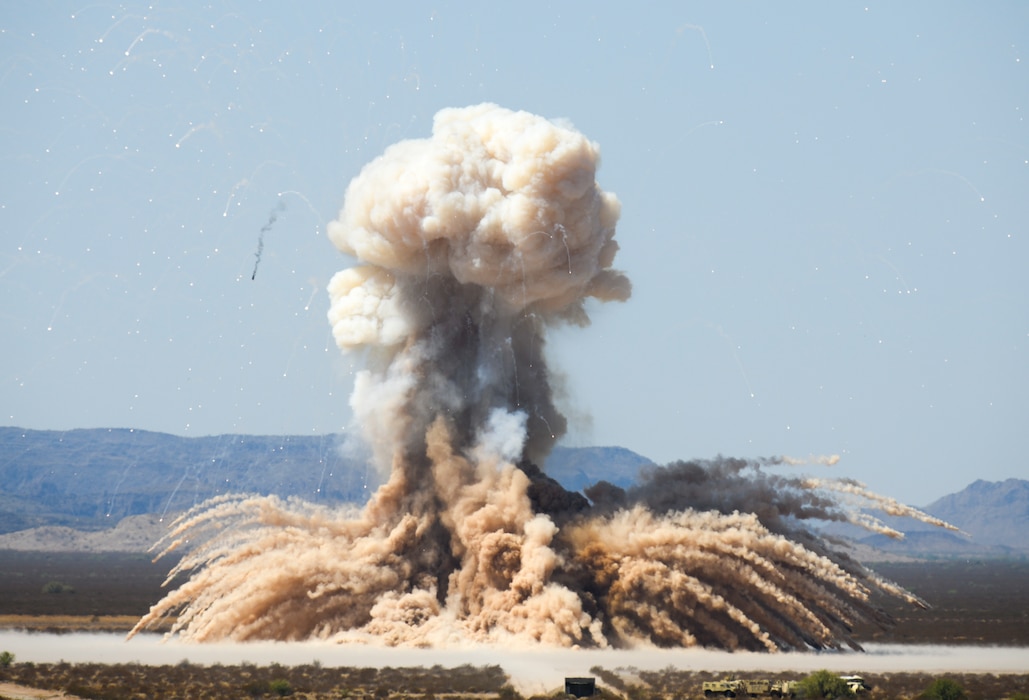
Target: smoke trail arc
point(471, 244)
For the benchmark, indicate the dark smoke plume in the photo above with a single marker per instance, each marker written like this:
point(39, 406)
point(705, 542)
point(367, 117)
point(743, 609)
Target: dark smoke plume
point(473, 243)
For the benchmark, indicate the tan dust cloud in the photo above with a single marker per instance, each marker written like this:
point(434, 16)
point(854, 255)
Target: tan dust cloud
point(472, 243)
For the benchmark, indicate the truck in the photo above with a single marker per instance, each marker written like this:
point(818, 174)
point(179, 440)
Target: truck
point(783, 689)
point(727, 687)
point(732, 687)
point(756, 688)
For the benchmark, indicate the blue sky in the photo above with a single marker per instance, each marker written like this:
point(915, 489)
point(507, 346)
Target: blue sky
point(824, 216)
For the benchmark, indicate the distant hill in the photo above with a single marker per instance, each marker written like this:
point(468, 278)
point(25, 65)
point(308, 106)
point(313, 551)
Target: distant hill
point(575, 468)
point(91, 479)
point(992, 512)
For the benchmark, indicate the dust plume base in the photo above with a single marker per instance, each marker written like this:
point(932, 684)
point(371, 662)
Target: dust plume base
point(636, 567)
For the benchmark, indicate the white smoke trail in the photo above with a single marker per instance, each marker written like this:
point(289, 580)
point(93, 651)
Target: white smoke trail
point(890, 506)
point(826, 460)
point(473, 242)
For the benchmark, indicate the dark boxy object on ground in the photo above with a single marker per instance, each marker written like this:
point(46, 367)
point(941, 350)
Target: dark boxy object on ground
point(580, 687)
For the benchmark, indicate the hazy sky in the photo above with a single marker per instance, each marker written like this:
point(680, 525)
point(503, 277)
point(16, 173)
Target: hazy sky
point(825, 216)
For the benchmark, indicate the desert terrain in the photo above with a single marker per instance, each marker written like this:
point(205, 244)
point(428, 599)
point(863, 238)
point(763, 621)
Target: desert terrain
point(983, 603)
point(971, 602)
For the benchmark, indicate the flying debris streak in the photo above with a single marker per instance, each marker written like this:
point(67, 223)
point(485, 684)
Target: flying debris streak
point(272, 218)
point(467, 540)
point(826, 460)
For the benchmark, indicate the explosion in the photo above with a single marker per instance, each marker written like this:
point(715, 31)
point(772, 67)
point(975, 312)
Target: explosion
point(472, 244)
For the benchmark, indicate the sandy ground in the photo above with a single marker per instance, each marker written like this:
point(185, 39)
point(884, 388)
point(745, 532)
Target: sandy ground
point(13, 691)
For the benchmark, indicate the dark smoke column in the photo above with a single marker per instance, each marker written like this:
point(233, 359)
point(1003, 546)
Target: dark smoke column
point(472, 242)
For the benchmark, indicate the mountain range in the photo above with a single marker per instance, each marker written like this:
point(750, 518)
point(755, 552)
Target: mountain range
point(993, 517)
point(92, 479)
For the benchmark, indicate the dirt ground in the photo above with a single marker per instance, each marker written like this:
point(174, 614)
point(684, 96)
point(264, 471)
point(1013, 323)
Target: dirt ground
point(312, 682)
point(971, 602)
point(217, 682)
point(13, 691)
point(79, 584)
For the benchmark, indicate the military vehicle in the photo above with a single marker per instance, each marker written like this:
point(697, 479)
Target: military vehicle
point(727, 687)
point(754, 688)
point(783, 689)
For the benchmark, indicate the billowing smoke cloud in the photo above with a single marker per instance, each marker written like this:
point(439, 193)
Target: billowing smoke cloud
point(472, 244)
point(472, 241)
